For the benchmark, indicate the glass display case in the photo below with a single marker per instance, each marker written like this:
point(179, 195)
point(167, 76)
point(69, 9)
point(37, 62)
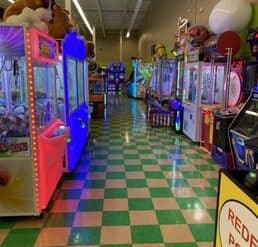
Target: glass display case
point(81, 83)
point(206, 85)
point(220, 71)
point(45, 95)
point(191, 81)
point(32, 139)
point(72, 84)
point(60, 91)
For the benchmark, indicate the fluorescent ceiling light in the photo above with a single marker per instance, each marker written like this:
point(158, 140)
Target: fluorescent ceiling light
point(81, 12)
point(136, 10)
point(11, 1)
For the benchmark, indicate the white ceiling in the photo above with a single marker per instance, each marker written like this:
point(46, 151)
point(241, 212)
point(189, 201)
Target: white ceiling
point(116, 14)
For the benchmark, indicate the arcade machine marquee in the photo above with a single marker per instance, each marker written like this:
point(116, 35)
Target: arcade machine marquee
point(32, 141)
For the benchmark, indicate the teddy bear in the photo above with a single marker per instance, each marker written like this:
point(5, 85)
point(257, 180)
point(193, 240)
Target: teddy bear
point(59, 24)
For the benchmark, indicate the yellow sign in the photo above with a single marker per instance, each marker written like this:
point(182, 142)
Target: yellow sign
point(237, 221)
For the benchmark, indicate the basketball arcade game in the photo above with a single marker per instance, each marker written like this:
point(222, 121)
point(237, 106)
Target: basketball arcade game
point(74, 107)
point(116, 77)
point(32, 138)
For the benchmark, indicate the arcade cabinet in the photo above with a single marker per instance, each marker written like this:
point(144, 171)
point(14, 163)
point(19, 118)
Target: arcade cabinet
point(33, 139)
point(243, 128)
point(243, 131)
point(116, 77)
point(222, 118)
point(139, 79)
point(96, 95)
point(197, 88)
point(74, 107)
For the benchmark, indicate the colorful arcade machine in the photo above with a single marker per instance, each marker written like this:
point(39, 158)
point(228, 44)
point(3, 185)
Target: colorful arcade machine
point(116, 77)
point(33, 140)
point(141, 75)
point(222, 118)
point(74, 107)
point(243, 131)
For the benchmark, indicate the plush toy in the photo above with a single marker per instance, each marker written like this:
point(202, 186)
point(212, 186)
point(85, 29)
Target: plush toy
point(58, 24)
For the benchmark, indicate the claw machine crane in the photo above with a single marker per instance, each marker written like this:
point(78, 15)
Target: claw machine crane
point(73, 108)
point(32, 138)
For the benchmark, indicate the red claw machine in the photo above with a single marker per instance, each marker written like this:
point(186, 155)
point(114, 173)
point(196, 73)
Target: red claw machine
point(32, 139)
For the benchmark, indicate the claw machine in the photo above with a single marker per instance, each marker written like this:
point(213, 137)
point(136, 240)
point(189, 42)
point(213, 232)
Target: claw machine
point(73, 108)
point(32, 138)
point(192, 100)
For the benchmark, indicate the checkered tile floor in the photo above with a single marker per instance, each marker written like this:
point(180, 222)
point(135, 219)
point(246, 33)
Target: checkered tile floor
point(134, 186)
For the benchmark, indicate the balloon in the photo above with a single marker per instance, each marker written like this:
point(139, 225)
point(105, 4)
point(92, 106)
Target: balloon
point(228, 15)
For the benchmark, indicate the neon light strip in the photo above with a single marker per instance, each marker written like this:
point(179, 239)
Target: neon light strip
point(33, 119)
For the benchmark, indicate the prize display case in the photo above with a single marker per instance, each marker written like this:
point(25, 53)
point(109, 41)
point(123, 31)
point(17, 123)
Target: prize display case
point(33, 139)
point(73, 108)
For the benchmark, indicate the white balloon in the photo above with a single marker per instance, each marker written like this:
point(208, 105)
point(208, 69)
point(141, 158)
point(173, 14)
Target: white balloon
point(228, 15)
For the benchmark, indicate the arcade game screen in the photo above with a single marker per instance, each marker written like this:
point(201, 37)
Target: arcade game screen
point(248, 123)
point(45, 95)
point(72, 84)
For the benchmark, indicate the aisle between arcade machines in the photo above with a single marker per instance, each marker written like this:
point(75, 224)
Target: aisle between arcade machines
point(73, 95)
point(32, 140)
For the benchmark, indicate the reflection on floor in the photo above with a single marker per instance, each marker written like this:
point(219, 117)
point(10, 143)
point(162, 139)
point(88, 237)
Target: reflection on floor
point(134, 186)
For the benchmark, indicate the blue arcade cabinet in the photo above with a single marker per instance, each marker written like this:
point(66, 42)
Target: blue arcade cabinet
point(74, 107)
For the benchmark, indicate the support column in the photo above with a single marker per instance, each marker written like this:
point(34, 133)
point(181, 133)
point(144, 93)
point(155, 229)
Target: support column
point(94, 41)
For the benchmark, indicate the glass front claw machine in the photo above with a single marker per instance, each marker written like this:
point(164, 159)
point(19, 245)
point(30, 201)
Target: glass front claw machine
point(32, 139)
point(73, 108)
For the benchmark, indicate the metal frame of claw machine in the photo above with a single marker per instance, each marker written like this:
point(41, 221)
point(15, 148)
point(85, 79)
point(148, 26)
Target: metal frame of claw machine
point(32, 145)
point(76, 100)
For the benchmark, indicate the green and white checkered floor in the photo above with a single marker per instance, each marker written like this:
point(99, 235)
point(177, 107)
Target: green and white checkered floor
point(134, 186)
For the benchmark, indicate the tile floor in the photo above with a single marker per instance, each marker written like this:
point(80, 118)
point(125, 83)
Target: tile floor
point(134, 186)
